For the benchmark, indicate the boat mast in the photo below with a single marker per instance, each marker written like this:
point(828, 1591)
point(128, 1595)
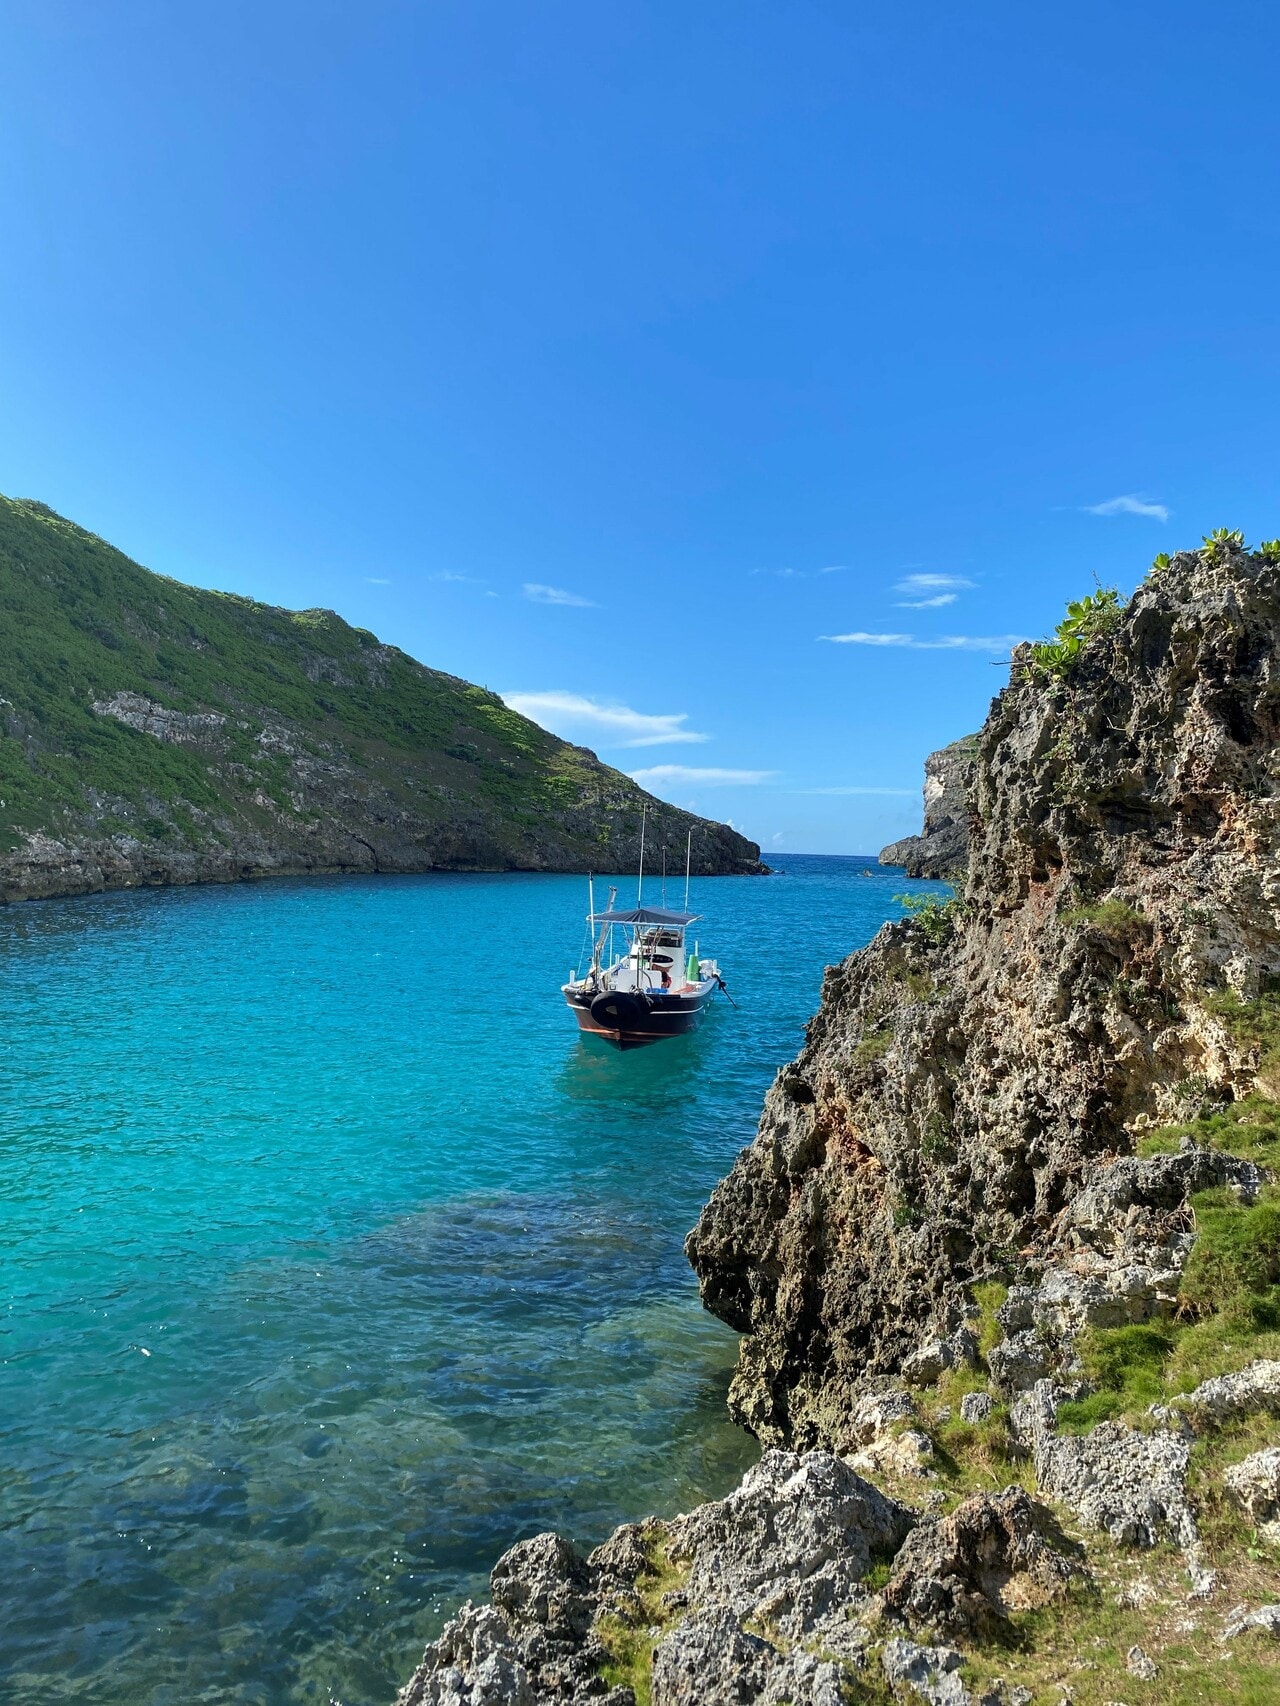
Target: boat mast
point(688, 859)
point(640, 884)
point(591, 919)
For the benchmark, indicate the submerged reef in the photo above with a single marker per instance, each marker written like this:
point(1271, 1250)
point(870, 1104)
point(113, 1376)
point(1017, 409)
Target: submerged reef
point(1005, 1252)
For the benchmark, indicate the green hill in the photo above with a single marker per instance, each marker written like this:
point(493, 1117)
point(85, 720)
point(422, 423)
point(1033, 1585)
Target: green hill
point(152, 732)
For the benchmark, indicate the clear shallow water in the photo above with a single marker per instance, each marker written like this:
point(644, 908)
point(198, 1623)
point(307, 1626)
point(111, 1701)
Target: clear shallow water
point(332, 1267)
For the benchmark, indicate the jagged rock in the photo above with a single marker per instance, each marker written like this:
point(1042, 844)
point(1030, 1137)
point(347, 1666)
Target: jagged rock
point(877, 1413)
point(1141, 1665)
point(710, 1660)
point(909, 1453)
point(942, 849)
point(926, 1366)
point(545, 1581)
point(1254, 1484)
point(474, 1662)
point(975, 1407)
point(928, 1673)
point(1266, 1618)
point(1229, 1396)
point(1017, 1363)
point(1124, 863)
point(799, 1533)
point(1132, 1485)
point(996, 1553)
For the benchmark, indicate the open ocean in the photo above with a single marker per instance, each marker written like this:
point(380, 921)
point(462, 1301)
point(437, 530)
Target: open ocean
point(335, 1261)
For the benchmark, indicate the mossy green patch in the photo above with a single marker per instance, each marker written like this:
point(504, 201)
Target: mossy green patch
point(629, 1638)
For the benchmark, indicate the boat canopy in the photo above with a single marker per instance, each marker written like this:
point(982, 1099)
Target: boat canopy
point(644, 915)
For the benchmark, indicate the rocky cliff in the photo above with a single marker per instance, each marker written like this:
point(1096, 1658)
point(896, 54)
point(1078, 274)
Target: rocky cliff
point(942, 847)
point(1005, 1254)
point(155, 733)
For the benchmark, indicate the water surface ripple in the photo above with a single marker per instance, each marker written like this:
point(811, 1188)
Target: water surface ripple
point(335, 1261)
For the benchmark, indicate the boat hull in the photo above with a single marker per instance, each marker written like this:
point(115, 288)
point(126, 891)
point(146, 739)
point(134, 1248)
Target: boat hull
point(635, 1021)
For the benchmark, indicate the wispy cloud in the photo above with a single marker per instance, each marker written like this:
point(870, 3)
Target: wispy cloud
point(451, 575)
point(375, 580)
point(573, 715)
point(930, 592)
point(944, 642)
point(895, 793)
point(933, 583)
point(672, 775)
point(803, 574)
point(1131, 503)
point(538, 594)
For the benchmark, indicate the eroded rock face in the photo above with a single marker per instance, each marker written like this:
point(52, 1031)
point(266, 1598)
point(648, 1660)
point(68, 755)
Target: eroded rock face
point(965, 1101)
point(994, 1555)
point(772, 1582)
point(942, 847)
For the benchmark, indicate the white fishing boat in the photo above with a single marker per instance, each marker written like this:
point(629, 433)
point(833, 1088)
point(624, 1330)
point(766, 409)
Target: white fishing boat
point(644, 983)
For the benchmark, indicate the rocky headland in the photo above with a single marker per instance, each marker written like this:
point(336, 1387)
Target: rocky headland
point(153, 733)
point(942, 848)
point(1005, 1253)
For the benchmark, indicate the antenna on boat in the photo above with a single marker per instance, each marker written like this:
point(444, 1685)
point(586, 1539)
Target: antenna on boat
point(664, 875)
point(640, 884)
point(688, 860)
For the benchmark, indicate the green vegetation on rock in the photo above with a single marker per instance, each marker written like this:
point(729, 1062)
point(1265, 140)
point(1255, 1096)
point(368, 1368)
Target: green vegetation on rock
point(151, 731)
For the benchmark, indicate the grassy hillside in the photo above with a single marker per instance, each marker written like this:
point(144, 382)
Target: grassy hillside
point(151, 731)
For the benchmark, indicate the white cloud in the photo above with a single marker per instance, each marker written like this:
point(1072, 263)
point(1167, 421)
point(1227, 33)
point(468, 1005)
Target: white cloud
point(895, 793)
point(450, 575)
point(375, 580)
point(572, 715)
point(933, 583)
point(669, 775)
point(944, 643)
point(1131, 503)
point(929, 591)
point(802, 574)
point(538, 594)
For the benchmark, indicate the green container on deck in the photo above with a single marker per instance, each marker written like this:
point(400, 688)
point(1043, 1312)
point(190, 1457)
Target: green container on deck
point(692, 971)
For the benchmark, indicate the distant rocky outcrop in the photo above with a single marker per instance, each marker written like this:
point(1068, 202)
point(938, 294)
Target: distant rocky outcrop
point(1007, 1244)
point(155, 733)
point(942, 847)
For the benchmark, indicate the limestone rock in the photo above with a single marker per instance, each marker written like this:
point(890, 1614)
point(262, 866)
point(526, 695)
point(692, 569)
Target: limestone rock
point(926, 1673)
point(1230, 1396)
point(1141, 1665)
point(906, 1454)
point(994, 1555)
point(975, 1407)
point(941, 850)
point(800, 1533)
point(1131, 1485)
point(1124, 863)
point(1254, 1484)
point(1265, 1618)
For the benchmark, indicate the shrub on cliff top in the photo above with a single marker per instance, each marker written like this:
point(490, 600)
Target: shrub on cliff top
point(1220, 541)
point(937, 918)
point(1095, 613)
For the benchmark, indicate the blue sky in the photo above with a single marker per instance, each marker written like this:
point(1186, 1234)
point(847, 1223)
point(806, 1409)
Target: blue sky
point(623, 358)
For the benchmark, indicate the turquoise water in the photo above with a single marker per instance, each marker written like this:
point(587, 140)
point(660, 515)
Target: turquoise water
point(335, 1261)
